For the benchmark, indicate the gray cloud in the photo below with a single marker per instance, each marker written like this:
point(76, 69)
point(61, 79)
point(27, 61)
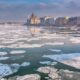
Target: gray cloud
point(19, 12)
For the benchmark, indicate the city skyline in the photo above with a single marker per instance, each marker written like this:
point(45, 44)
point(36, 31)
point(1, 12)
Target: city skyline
point(18, 10)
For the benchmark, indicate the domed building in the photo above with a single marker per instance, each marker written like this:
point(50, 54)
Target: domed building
point(33, 20)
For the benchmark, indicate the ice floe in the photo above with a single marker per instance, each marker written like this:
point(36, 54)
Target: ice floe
point(15, 67)
point(8, 41)
point(2, 79)
point(55, 43)
point(3, 53)
point(5, 70)
point(46, 69)
point(29, 77)
point(4, 58)
point(17, 52)
point(39, 45)
point(33, 39)
point(48, 63)
point(53, 73)
point(24, 64)
point(62, 57)
point(24, 45)
point(30, 45)
point(55, 50)
point(8, 69)
point(45, 62)
point(52, 36)
point(75, 62)
point(75, 39)
point(2, 46)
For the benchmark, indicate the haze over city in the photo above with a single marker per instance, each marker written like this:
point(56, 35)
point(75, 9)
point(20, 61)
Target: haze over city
point(19, 10)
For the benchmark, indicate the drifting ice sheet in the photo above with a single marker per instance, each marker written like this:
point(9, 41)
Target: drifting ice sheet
point(55, 50)
point(17, 52)
point(25, 64)
point(3, 53)
point(4, 58)
point(62, 57)
point(6, 69)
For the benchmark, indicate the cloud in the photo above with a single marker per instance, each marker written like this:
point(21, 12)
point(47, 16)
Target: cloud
point(20, 11)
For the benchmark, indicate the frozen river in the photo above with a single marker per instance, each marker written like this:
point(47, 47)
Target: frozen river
point(20, 53)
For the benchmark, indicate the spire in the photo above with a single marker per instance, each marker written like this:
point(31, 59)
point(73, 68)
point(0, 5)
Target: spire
point(32, 15)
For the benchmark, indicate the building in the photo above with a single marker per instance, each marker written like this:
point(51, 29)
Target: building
point(42, 21)
point(78, 20)
point(50, 21)
point(61, 21)
point(33, 20)
point(74, 21)
point(47, 20)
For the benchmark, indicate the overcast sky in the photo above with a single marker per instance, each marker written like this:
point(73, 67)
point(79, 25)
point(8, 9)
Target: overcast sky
point(18, 10)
